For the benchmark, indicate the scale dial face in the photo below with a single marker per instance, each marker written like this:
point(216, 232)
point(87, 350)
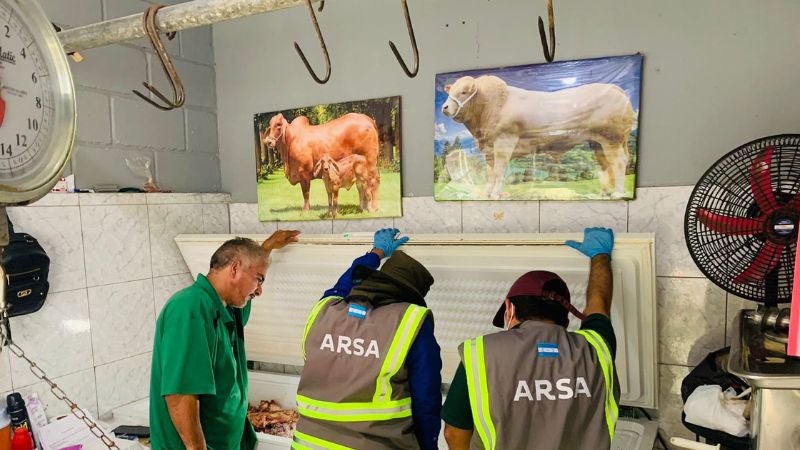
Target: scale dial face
point(37, 103)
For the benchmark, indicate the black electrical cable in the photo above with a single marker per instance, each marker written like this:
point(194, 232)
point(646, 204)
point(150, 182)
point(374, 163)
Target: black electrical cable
point(658, 432)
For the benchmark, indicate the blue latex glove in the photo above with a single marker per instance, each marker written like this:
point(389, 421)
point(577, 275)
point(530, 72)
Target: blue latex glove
point(386, 240)
point(596, 241)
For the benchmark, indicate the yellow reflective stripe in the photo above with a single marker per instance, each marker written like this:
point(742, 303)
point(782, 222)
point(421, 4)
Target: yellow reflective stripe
point(307, 442)
point(312, 316)
point(353, 411)
point(477, 386)
point(397, 352)
point(607, 365)
point(604, 356)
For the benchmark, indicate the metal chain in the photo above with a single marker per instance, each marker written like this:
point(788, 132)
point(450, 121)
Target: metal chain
point(76, 410)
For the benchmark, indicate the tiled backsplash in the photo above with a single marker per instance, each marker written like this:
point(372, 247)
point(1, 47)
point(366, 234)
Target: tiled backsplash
point(115, 264)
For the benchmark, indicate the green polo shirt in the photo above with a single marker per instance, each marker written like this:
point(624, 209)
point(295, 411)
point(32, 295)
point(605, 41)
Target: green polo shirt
point(198, 349)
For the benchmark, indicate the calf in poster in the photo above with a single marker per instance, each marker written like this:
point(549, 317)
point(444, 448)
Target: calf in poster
point(509, 122)
point(301, 145)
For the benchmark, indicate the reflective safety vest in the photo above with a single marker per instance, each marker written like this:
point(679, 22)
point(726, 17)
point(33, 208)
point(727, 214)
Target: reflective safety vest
point(353, 391)
point(540, 387)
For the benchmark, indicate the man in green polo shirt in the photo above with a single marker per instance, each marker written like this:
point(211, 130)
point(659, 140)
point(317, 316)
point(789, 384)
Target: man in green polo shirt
point(198, 379)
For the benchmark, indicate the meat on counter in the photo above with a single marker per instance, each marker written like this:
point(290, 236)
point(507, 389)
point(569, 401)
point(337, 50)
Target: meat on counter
point(270, 418)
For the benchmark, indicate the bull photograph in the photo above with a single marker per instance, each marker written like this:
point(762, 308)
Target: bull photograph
point(556, 131)
point(339, 160)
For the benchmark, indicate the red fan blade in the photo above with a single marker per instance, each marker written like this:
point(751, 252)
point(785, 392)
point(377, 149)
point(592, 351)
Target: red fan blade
point(729, 225)
point(761, 182)
point(765, 261)
point(794, 203)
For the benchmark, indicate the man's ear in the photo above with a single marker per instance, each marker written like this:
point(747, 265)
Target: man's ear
point(236, 267)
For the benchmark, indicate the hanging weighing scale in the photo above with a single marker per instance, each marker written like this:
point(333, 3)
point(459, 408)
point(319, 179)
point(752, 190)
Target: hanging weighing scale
point(37, 104)
point(37, 131)
point(37, 111)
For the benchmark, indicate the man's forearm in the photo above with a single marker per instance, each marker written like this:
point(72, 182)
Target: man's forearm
point(601, 286)
point(184, 410)
point(457, 438)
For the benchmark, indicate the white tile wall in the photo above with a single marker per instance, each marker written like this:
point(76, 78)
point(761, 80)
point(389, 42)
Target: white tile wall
point(166, 221)
point(96, 342)
point(661, 210)
point(500, 217)
point(5, 373)
point(122, 318)
point(691, 320)
point(563, 217)
point(57, 337)
point(79, 386)
point(117, 243)
point(122, 382)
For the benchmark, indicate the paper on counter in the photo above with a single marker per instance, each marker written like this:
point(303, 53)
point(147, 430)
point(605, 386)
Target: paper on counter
point(64, 433)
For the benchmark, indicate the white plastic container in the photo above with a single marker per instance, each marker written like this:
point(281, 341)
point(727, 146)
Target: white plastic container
point(634, 434)
point(277, 387)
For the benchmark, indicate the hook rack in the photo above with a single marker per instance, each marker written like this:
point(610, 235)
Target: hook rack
point(413, 38)
point(550, 54)
point(322, 45)
point(166, 64)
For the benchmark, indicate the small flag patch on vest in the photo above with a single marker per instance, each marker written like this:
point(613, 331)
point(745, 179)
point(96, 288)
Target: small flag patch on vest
point(547, 350)
point(357, 311)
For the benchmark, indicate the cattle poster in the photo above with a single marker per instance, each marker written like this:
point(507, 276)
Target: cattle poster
point(558, 131)
point(339, 160)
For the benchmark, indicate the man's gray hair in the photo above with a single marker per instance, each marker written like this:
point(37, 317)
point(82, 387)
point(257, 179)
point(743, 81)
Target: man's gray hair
point(244, 249)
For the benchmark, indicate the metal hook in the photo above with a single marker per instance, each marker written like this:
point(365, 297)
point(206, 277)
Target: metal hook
point(411, 74)
point(549, 55)
point(321, 44)
point(166, 64)
point(321, 5)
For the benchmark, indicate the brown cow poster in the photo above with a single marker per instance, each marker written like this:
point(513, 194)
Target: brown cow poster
point(338, 160)
point(558, 131)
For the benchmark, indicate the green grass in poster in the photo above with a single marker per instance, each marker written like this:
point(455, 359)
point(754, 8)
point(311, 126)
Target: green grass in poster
point(280, 201)
point(536, 190)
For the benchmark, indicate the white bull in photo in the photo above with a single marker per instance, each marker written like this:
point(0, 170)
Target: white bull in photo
point(508, 122)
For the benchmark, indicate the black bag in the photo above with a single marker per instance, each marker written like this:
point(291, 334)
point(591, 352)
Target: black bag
point(26, 265)
point(712, 371)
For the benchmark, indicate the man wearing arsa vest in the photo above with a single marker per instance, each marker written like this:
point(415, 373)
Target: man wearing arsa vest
point(372, 373)
point(537, 386)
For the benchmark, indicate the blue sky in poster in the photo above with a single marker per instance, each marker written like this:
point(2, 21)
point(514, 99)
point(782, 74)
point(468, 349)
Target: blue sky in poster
point(624, 71)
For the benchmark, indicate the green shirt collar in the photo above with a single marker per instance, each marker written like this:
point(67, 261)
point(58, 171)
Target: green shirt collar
point(203, 283)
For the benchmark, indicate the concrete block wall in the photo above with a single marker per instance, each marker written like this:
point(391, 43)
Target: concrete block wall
point(114, 124)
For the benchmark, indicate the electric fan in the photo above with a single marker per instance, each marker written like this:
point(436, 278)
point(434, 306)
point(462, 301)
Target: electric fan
point(741, 228)
point(742, 219)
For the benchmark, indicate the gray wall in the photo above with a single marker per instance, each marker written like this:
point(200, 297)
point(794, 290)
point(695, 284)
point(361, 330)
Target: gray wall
point(717, 73)
point(114, 124)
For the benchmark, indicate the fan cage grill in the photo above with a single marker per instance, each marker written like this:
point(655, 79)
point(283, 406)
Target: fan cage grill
point(725, 189)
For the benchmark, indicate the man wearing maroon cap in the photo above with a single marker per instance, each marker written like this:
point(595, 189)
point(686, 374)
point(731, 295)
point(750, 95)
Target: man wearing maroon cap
point(536, 385)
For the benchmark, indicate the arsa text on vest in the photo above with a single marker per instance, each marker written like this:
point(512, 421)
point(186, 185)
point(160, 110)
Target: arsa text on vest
point(544, 389)
point(344, 343)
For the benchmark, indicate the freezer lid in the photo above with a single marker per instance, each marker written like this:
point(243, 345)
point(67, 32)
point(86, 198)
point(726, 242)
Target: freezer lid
point(472, 273)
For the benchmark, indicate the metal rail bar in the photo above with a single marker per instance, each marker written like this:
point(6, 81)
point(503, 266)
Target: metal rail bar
point(171, 18)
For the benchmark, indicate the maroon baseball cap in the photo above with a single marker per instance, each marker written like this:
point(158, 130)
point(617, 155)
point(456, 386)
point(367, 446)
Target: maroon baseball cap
point(542, 284)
